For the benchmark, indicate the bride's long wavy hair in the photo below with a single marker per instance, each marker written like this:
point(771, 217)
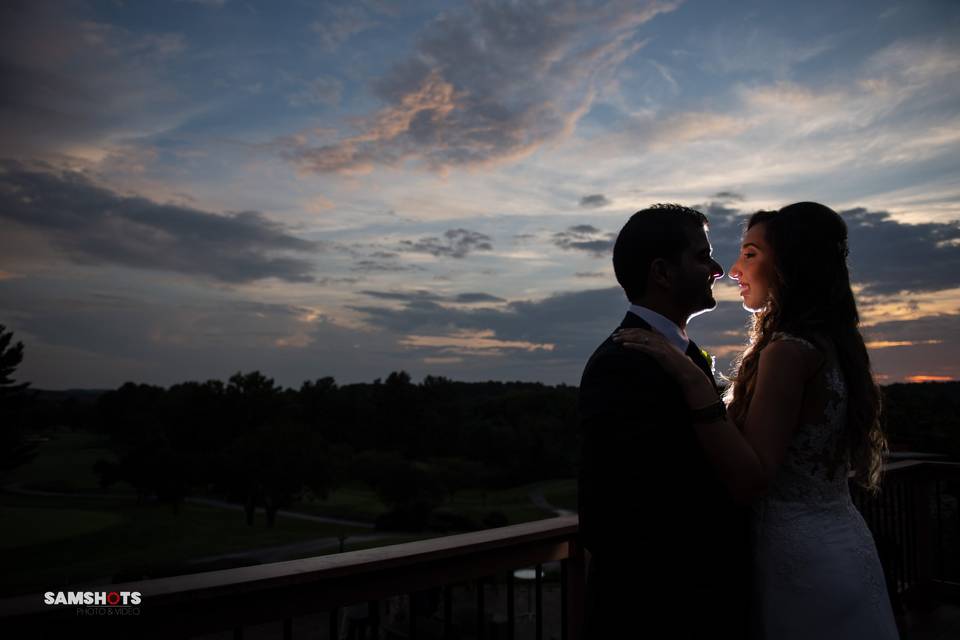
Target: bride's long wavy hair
point(810, 296)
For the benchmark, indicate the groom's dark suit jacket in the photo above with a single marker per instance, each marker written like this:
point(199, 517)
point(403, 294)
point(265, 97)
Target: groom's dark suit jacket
point(669, 547)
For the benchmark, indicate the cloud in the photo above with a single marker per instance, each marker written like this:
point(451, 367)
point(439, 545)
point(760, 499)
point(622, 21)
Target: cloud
point(743, 48)
point(469, 298)
point(890, 344)
point(165, 335)
point(67, 80)
point(455, 243)
point(585, 238)
point(571, 321)
point(727, 196)
point(594, 200)
point(93, 225)
point(924, 347)
point(404, 296)
point(856, 128)
point(487, 83)
point(429, 296)
point(473, 342)
point(887, 256)
point(340, 23)
point(374, 266)
point(210, 4)
point(322, 90)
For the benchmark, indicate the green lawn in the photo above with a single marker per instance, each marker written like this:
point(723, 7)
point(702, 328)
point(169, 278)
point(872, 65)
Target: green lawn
point(361, 503)
point(352, 502)
point(64, 462)
point(514, 503)
point(561, 493)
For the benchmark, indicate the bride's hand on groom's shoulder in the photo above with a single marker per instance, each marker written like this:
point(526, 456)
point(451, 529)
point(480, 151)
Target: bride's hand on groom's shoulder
point(675, 362)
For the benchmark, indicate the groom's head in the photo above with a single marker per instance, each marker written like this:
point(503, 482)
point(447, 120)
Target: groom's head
point(662, 258)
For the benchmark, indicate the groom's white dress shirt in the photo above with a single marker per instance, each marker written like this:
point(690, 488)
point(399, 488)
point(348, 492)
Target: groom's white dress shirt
point(664, 325)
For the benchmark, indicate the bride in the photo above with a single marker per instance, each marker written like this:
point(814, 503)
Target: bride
point(801, 413)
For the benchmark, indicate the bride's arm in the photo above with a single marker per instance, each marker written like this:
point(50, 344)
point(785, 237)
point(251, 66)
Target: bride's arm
point(746, 461)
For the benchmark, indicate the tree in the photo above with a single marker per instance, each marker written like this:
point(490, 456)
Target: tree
point(271, 466)
point(16, 448)
point(252, 399)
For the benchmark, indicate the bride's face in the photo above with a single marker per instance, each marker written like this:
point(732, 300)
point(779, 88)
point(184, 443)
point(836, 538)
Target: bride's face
point(753, 270)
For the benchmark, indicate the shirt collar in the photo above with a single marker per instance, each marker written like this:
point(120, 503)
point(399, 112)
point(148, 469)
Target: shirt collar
point(662, 324)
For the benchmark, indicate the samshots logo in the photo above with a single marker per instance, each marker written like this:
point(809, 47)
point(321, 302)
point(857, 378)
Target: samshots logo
point(96, 603)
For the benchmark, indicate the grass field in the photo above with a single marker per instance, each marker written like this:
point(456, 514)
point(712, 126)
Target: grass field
point(361, 503)
point(561, 493)
point(65, 462)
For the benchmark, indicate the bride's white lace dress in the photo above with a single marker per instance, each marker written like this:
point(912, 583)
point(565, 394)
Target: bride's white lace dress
point(817, 573)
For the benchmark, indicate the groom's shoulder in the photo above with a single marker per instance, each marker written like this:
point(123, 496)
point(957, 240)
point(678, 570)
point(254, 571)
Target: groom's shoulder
point(611, 357)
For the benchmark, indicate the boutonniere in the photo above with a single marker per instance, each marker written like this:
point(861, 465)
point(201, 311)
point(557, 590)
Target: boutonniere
point(711, 362)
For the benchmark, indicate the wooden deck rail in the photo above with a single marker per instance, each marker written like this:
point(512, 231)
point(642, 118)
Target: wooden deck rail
point(190, 605)
point(916, 534)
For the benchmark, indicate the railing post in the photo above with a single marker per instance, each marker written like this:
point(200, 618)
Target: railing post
point(334, 623)
point(481, 586)
point(511, 617)
point(539, 606)
point(920, 487)
point(575, 590)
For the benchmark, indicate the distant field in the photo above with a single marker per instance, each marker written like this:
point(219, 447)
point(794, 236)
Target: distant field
point(65, 462)
point(360, 502)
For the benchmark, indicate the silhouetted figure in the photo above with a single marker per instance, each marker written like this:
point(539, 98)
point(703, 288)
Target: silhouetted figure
point(668, 545)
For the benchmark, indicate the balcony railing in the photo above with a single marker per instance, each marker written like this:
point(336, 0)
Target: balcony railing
point(191, 605)
point(916, 527)
point(914, 521)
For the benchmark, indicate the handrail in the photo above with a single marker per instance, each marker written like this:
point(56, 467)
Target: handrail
point(243, 596)
point(900, 516)
point(908, 527)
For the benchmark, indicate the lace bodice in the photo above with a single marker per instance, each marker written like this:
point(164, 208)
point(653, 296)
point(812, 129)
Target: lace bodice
point(806, 473)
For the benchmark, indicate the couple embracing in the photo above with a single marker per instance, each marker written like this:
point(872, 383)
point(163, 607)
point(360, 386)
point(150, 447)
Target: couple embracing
point(710, 517)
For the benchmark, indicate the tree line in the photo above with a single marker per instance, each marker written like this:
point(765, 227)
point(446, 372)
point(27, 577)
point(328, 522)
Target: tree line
point(252, 441)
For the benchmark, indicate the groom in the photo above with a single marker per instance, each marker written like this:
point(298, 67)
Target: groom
point(668, 546)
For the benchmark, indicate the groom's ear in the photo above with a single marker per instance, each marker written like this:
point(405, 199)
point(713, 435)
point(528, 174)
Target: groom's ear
point(660, 273)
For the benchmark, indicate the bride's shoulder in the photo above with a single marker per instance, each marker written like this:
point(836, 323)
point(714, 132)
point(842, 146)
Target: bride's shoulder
point(807, 352)
point(791, 338)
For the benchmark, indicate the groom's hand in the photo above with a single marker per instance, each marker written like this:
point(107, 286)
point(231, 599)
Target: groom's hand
point(655, 344)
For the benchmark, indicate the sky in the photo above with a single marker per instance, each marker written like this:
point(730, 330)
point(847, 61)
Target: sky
point(193, 188)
